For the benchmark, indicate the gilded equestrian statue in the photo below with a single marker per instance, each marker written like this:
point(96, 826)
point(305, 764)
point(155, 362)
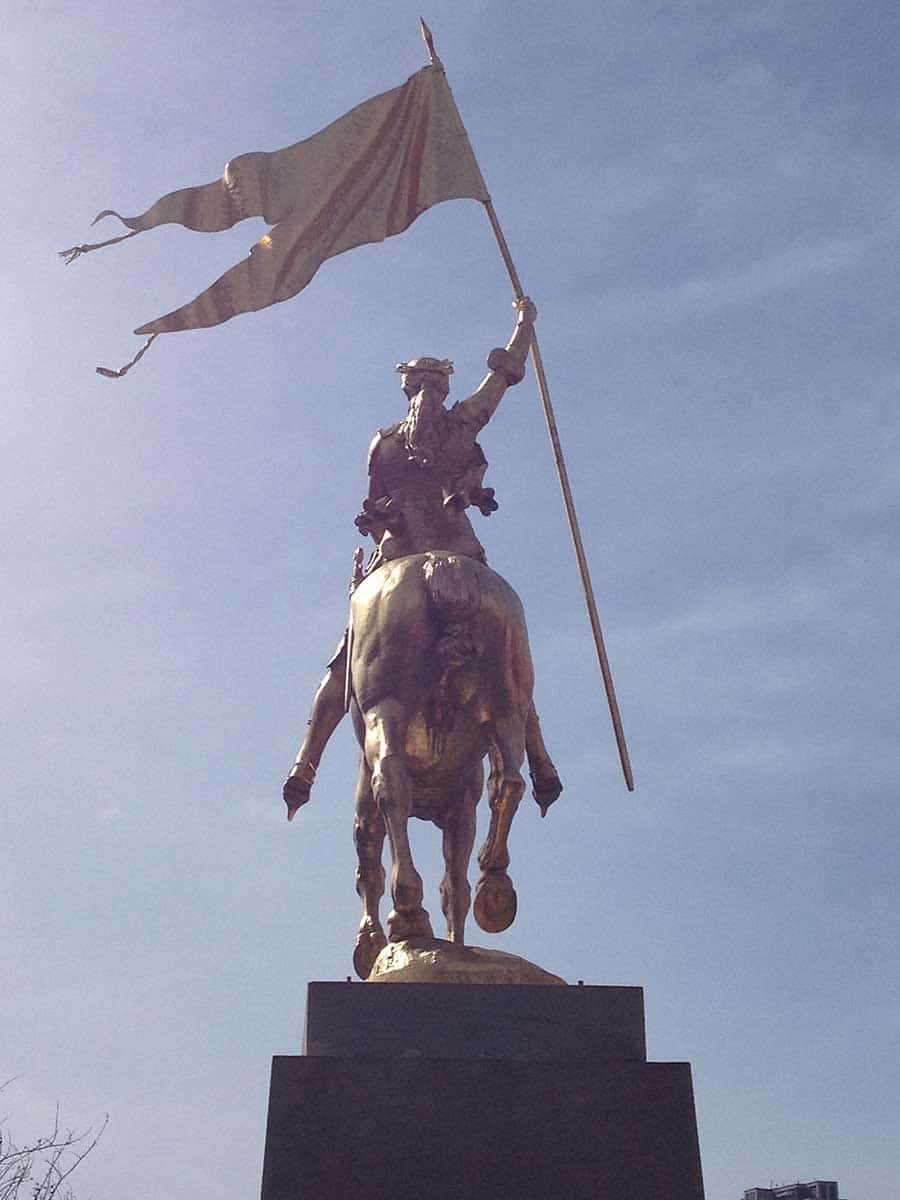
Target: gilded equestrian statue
point(435, 666)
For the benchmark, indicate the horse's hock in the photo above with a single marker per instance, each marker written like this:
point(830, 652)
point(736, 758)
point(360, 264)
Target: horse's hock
point(468, 1091)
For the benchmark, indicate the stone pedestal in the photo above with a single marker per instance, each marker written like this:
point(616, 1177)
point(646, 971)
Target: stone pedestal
point(478, 1092)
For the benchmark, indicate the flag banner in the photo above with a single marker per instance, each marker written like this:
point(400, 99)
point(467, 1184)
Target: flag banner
point(364, 178)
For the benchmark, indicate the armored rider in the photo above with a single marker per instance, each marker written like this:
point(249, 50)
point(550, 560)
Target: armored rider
point(424, 473)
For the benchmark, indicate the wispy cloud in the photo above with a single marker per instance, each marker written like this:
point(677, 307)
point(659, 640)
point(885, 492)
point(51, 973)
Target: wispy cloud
point(792, 267)
point(112, 814)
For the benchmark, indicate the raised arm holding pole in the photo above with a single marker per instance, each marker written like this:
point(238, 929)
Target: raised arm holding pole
point(562, 473)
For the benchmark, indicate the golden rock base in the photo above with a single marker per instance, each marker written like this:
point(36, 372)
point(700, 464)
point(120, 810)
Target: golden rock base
point(432, 960)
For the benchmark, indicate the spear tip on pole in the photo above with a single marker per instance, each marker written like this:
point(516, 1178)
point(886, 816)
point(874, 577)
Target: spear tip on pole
point(429, 43)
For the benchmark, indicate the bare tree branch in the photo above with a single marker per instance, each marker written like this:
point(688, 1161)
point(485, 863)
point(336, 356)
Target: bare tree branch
point(40, 1170)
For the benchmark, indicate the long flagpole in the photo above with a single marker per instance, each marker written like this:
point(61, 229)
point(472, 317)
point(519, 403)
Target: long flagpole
point(563, 475)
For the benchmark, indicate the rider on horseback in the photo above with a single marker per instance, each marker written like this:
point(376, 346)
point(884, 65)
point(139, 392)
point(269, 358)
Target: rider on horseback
point(424, 472)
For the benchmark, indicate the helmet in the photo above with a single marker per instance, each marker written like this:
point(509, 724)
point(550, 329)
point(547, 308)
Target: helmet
point(442, 365)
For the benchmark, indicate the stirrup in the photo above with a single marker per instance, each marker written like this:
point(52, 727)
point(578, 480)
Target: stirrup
point(304, 773)
point(299, 784)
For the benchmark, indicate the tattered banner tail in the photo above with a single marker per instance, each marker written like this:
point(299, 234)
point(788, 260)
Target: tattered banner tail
point(109, 373)
point(74, 252)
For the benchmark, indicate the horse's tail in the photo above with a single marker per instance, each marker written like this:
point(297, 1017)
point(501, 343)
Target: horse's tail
point(453, 588)
point(455, 593)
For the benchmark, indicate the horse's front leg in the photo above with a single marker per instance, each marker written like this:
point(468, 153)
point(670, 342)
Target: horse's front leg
point(368, 837)
point(458, 838)
point(385, 743)
point(495, 896)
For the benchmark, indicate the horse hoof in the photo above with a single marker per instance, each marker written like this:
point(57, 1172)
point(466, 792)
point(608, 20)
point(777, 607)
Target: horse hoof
point(369, 944)
point(495, 902)
point(405, 925)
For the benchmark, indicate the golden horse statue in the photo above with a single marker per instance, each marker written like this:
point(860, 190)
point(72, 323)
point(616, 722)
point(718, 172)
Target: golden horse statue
point(440, 676)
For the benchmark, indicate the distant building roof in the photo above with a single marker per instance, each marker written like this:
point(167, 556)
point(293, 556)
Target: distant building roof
point(816, 1189)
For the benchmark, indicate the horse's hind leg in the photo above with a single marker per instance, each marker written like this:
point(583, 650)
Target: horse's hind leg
point(459, 837)
point(495, 896)
point(368, 836)
point(392, 789)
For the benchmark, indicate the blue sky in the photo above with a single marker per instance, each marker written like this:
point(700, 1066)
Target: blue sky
point(704, 201)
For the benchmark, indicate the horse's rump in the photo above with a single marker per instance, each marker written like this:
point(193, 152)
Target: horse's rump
point(425, 617)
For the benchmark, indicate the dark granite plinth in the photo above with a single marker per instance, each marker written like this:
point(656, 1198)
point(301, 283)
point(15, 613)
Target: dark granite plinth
point(458, 1092)
point(464, 1020)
